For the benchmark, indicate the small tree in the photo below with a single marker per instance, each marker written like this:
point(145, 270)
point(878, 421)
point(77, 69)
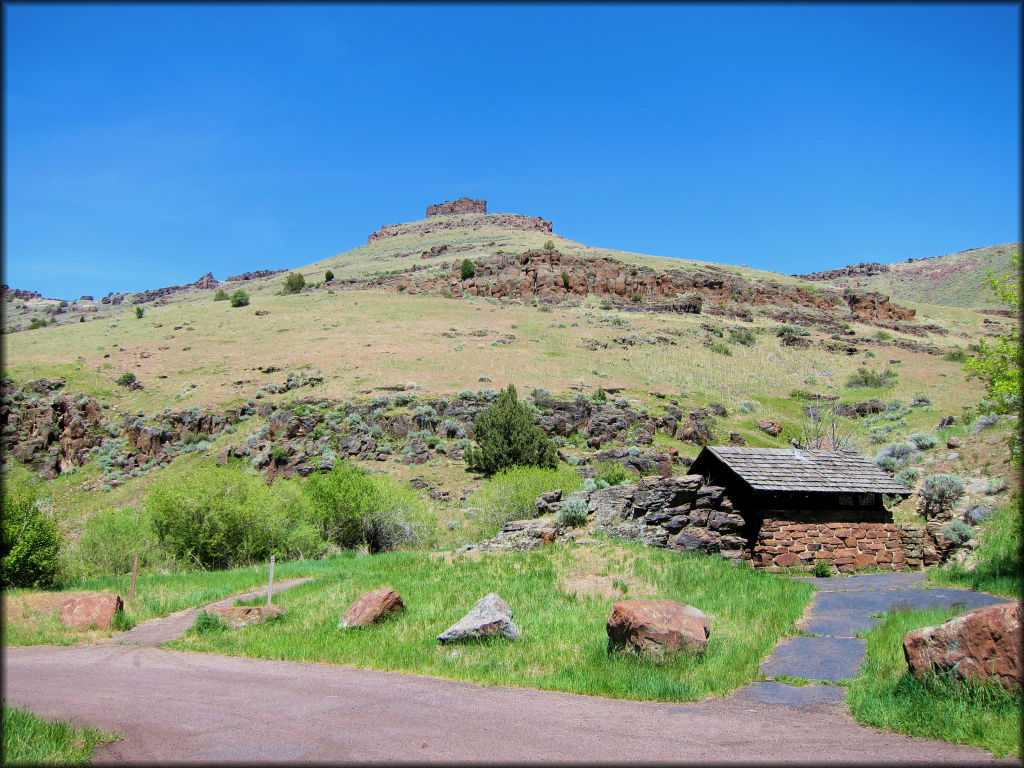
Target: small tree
point(30, 544)
point(294, 282)
point(328, 276)
point(468, 269)
point(139, 312)
point(549, 245)
point(220, 295)
point(507, 437)
point(239, 298)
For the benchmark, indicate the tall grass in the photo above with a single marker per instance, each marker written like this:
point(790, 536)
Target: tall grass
point(886, 695)
point(998, 554)
point(564, 643)
point(30, 740)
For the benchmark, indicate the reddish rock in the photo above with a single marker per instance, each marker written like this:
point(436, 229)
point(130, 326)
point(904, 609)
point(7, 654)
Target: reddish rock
point(91, 610)
point(982, 644)
point(787, 560)
point(245, 615)
point(657, 627)
point(771, 426)
point(371, 607)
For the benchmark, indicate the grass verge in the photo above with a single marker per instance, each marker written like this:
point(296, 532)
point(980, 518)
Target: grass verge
point(561, 599)
point(886, 695)
point(31, 740)
point(998, 565)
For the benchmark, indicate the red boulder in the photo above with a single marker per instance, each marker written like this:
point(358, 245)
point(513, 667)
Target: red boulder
point(90, 610)
point(982, 644)
point(657, 627)
point(371, 607)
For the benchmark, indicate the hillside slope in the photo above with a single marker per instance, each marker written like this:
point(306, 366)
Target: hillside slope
point(953, 280)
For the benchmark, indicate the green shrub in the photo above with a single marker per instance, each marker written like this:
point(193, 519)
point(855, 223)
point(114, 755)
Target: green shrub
point(956, 355)
point(206, 623)
point(868, 379)
point(510, 494)
point(957, 532)
point(110, 540)
point(821, 569)
point(126, 379)
point(923, 440)
point(612, 472)
point(328, 276)
point(36, 323)
point(30, 542)
point(908, 476)
point(220, 518)
point(883, 336)
point(721, 348)
point(747, 406)
point(294, 282)
point(239, 298)
point(549, 245)
point(941, 492)
point(467, 269)
point(573, 512)
point(139, 312)
point(565, 280)
point(220, 295)
point(744, 336)
point(351, 508)
point(507, 437)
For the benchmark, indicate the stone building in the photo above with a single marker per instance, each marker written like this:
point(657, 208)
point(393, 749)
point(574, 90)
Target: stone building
point(801, 506)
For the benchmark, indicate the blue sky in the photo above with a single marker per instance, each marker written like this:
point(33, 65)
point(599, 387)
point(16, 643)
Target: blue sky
point(148, 144)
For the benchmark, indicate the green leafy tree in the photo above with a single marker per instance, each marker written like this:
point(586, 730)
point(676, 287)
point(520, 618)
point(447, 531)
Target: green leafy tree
point(507, 437)
point(468, 269)
point(139, 312)
point(328, 276)
point(239, 298)
point(220, 295)
point(30, 542)
point(998, 362)
point(294, 282)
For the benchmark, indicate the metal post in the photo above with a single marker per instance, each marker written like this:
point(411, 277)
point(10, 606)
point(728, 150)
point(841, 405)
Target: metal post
point(135, 570)
point(270, 586)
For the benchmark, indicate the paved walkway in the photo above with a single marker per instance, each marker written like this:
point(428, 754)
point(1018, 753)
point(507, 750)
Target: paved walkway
point(841, 609)
point(174, 706)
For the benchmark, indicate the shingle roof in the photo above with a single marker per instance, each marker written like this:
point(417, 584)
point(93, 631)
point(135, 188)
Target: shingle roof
point(788, 469)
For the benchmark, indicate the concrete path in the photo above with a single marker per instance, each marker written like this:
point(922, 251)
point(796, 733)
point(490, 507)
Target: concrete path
point(173, 706)
point(842, 608)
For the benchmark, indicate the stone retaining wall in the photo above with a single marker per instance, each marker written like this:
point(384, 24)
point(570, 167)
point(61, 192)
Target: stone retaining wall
point(847, 545)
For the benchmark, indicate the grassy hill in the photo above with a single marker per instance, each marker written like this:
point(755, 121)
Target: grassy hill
point(952, 280)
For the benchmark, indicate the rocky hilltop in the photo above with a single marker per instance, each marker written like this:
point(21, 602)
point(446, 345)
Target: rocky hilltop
point(435, 224)
point(462, 205)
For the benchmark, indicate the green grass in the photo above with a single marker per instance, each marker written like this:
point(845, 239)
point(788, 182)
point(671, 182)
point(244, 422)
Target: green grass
point(30, 740)
point(886, 695)
point(998, 568)
point(564, 643)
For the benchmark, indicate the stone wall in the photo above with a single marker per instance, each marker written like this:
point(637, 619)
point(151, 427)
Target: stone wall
point(847, 545)
point(462, 205)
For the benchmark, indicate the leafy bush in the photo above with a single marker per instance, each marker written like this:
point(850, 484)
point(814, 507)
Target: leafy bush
point(294, 282)
point(351, 508)
point(573, 512)
point(206, 623)
point(110, 540)
point(983, 422)
point(239, 298)
point(747, 406)
point(721, 348)
point(510, 494)
point(957, 532)
point(565, 280)
point(744, 336)
point(923, 440)
point(126, 379)
point(506, 437)
point(549, 245)
point(956, 355)
point(139, 312)
point(941, 492)
point(220, 295)
point(887, 463)
point(30, 542)
point(328, 276)
point(612, 472)
point(821, 569)
point(467, 269)
point(589, 484)
point(36, 323)
point(220, 518)
point(865, 378)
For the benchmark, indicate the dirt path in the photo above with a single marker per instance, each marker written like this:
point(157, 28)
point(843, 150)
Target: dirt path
point(174, 625)
point(176, 706)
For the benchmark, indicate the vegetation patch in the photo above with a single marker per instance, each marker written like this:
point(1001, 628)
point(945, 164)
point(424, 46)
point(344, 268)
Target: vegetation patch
point(31, 740)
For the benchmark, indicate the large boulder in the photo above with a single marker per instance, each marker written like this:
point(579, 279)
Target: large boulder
point(771, 426)
point(490, 617)
point(981, 644)
point(371, 607)
point(657, 627)
point(90, 610)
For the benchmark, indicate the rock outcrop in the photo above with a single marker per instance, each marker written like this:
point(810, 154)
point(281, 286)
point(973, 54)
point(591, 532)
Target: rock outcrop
point(462, 205)
point(490, 617)
point(239, 616)
point(864, 269)
point(656, 628)
point(511, 221)
point(254, 275)
point(90, 611)
point(981, 645)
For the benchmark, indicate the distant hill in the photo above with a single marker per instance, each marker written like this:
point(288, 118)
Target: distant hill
point(953, 280)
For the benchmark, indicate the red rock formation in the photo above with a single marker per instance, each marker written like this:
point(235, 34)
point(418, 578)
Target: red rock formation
point(435, 224)
point(983, 644)
point(657, 627)
point(864, 269)
point(462, 205)
point(90, 610)
point(371, 607)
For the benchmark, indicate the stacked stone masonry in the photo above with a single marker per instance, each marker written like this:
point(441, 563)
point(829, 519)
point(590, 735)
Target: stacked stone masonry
point(847, 545)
